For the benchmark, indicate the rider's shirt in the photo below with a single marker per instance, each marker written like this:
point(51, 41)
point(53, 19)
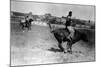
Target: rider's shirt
point(69, 27)
point(68, 21)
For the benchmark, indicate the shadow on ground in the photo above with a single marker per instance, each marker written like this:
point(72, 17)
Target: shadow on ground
point(54, 50)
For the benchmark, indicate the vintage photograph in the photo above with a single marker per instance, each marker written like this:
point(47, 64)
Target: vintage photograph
point(51, 33)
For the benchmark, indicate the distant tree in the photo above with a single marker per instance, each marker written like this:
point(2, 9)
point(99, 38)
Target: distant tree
point(47, 16)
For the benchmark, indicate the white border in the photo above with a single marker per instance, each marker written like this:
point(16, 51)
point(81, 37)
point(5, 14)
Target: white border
point(5, 33)
point(85, 2)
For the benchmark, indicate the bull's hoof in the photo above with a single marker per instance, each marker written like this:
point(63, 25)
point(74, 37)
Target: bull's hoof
point(69, 52)
point(65, 52)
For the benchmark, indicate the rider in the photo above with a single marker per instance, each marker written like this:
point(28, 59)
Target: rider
point(68, 25)
point(29, 18)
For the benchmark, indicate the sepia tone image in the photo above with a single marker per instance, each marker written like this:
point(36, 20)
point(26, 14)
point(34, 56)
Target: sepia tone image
point(51, 33)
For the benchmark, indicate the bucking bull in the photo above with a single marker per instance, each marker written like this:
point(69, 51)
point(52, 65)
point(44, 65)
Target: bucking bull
point(25, 24)
point(60, 36)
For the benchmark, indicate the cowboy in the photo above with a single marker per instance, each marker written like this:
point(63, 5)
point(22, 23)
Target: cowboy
point(29, 18)
point(68, 25)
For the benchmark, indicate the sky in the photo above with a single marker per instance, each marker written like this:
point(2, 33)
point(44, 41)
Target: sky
point(79, 11)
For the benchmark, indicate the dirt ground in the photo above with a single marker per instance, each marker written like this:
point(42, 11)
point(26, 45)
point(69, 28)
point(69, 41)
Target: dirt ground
point(39, 46)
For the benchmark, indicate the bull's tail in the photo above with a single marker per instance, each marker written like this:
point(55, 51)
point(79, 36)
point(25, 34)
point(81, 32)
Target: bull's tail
point(84, 37)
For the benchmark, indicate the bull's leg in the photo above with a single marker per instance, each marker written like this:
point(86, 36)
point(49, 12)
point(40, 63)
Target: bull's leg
point(29, 26)
point(68, 50)
point(22, 27)
point(61, 48)
point(69, 47)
